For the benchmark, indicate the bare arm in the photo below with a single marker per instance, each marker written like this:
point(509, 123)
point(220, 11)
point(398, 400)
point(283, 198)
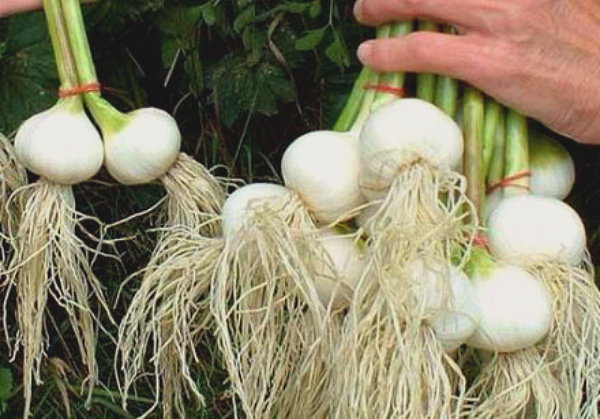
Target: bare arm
point(541, 57)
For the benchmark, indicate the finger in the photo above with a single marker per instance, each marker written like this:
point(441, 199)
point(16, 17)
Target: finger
point(9, 7)
point(460, 12)
point(462, 57)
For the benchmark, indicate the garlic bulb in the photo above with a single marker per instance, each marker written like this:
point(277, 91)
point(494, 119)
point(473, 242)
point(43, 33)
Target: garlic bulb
point(536, 229)
point(552, 168)
point(348, 263)
point(144, 148)
point(60, 144)
point(239, 205)
point(403, 132)
point(322, 167)
point(516, 310)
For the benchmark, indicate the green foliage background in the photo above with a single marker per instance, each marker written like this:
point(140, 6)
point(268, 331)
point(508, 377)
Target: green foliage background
point(243, 78)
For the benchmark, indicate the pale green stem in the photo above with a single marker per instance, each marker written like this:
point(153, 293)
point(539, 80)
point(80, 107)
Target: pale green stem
point(516, 165)
point(473, 114)
point(62, 53)
point(426, 81)
point(446, 92)
point(106, 116)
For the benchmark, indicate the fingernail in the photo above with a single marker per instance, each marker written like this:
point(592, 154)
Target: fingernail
point(364, 51)
point(358, 9)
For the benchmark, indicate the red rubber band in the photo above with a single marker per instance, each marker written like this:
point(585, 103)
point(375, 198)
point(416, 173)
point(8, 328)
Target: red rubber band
point(80, 90)
point(509, 181)
point(480, 241)
point(397, 91)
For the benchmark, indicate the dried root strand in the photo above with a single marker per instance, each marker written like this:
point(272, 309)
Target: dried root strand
point(270, 322)
point(519, 384)
point(51, 261)
point(574, 341)
point(169, 313)
point(167, 318)
point(391, 364)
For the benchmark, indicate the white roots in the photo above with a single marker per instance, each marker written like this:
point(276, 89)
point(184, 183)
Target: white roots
point(167, 318)
point(519, 384)
point(169, 313)
point(574, 341)
point(51, 261)
point(12, 177)
point(390, 363)
point(271, 325)
point(194, 196)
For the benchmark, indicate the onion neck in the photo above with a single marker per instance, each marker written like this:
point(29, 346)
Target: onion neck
point(446, 92)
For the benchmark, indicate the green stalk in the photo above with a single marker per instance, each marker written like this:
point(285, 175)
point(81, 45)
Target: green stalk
point(394, 80)
point(353, 104)
point(105, 115)
point(473, 110)
point(446, 92)
point(516, 166)
point(65, 64)
point(426, 81)
point(495, 172)
point(493, 113)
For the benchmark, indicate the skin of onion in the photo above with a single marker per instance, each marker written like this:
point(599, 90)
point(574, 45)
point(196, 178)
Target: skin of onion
point(536, 229)
point(240, 203)
point(323, 168)
point(144, 149)
point(60, 145)
point(348, 265)
point(516, 310)
point(403, 132)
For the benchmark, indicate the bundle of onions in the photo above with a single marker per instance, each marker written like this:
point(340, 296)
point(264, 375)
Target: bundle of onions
point(140, 147)
point(393, 361)
point(515, 308)
point(163, 318)
point(271, 324)
point(538, 302)
point(281, 279)
point(62, 146)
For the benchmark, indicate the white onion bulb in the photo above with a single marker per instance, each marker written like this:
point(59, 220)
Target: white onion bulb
point(448, 302)
point(348, 263)
point(238, 207)
point(61, 145)
point(322, 167)
point(536, 229)
point(516, 310)
point(400, 133)
point(144, 149)
point(552, 168)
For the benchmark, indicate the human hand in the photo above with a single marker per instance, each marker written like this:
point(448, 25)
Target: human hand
point(9, 7)
point(540, 57)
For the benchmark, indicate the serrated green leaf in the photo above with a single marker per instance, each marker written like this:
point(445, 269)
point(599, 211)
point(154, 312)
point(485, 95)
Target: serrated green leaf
point(168, 50)
point(311, 39)
point(6, 383)
point(337, 52)
point(293, 7)
point(2, 49)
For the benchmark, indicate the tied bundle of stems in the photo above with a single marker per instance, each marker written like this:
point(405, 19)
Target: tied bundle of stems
point(50, 261)
point(169, 314)
point(392, 359)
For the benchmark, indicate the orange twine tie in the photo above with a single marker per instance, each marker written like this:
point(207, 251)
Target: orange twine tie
point(79, 90)
point(509, 181)
point(396, 91)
